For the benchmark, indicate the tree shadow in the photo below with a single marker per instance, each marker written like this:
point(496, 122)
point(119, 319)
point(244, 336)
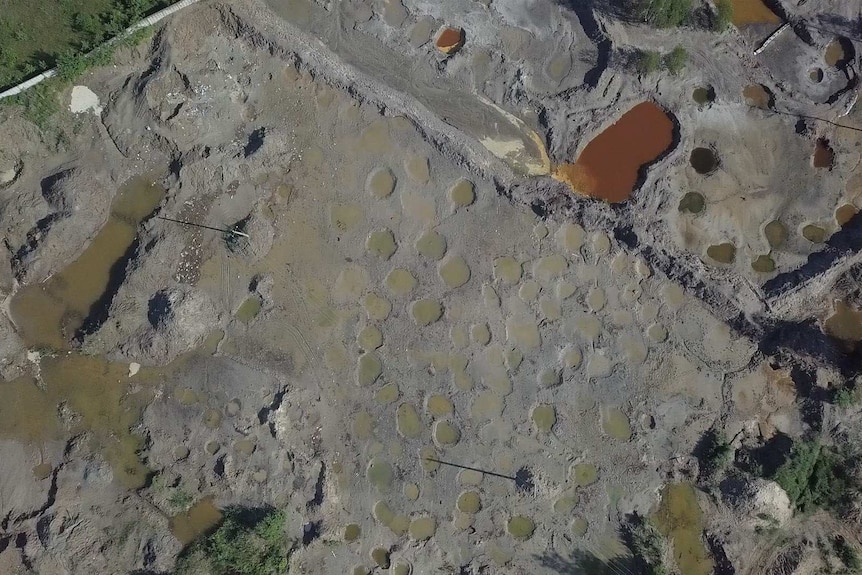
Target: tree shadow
point(582, 562)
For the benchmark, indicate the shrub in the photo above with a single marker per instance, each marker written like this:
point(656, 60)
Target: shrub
point(647, 62)
point(716, 452)
point(647, 545)
point(246, 542)
point(814, 477)
point(675, 61)
point(845, 397)
point(665, 13)
point(724, 15)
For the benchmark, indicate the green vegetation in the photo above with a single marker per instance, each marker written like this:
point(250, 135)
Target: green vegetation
point(664, 13)
point(246, 542)
point(814, 476)
point(848, 554)
point(647, 545)
point(675, 61)
point(37, 35)
point(723, 16)
point(180, 499)
point(647, 62)
point(42, 101)
point(846, 397)
point(717, 452)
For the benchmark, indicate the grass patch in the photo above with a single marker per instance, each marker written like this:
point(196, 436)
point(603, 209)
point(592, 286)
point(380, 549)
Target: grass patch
point(37, 35)
point(676, 60)
point(180, 499)
point(246, 542)
point(42, 101)
point(664, 13)
point(723, 15)
point(815, 477)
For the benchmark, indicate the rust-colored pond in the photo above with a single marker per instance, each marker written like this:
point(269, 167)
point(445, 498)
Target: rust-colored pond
point(608, 167)
point(746, 12)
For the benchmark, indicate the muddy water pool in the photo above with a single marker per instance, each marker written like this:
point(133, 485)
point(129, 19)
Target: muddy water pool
point(49, 314)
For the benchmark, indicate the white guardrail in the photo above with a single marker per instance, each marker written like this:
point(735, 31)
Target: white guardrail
point(148, 21)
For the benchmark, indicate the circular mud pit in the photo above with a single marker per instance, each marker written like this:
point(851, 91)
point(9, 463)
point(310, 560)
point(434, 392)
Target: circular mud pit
point(703, 95)
point(449, 40)
point(815, 75)
point(758, 96)
point(703, 160)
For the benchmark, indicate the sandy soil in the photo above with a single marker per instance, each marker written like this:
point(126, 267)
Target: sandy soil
point(415, 291)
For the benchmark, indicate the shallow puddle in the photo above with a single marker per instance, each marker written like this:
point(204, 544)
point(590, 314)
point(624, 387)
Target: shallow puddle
point(703, 95)
point(723, 253)
point(51, 313)
point(692, 203)
point(763, 264)
point(680, 519)
point(747, 12)
point(775, 233)
point(845, 323)
point(845, 213)
point(610, 165)
point(96, 392)
point(814, 234)
point(199, 519)
point(838, 52)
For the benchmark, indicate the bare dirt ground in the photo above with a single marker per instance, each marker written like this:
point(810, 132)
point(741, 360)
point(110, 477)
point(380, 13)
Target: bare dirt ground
point(415, 290)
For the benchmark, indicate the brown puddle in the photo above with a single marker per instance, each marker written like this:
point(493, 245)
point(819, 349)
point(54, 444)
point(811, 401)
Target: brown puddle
point(758, 96)
point(845, 213)
point(49, 314)
point(747, 12)
point(95, 391)
point(200, 518)
point(838, 53)
point(680, 519)
point(823, 154)
point(845, 323)
point(609, 166)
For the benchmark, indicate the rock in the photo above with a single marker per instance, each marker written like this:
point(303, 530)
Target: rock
point(449, 40)
point(758, 503)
